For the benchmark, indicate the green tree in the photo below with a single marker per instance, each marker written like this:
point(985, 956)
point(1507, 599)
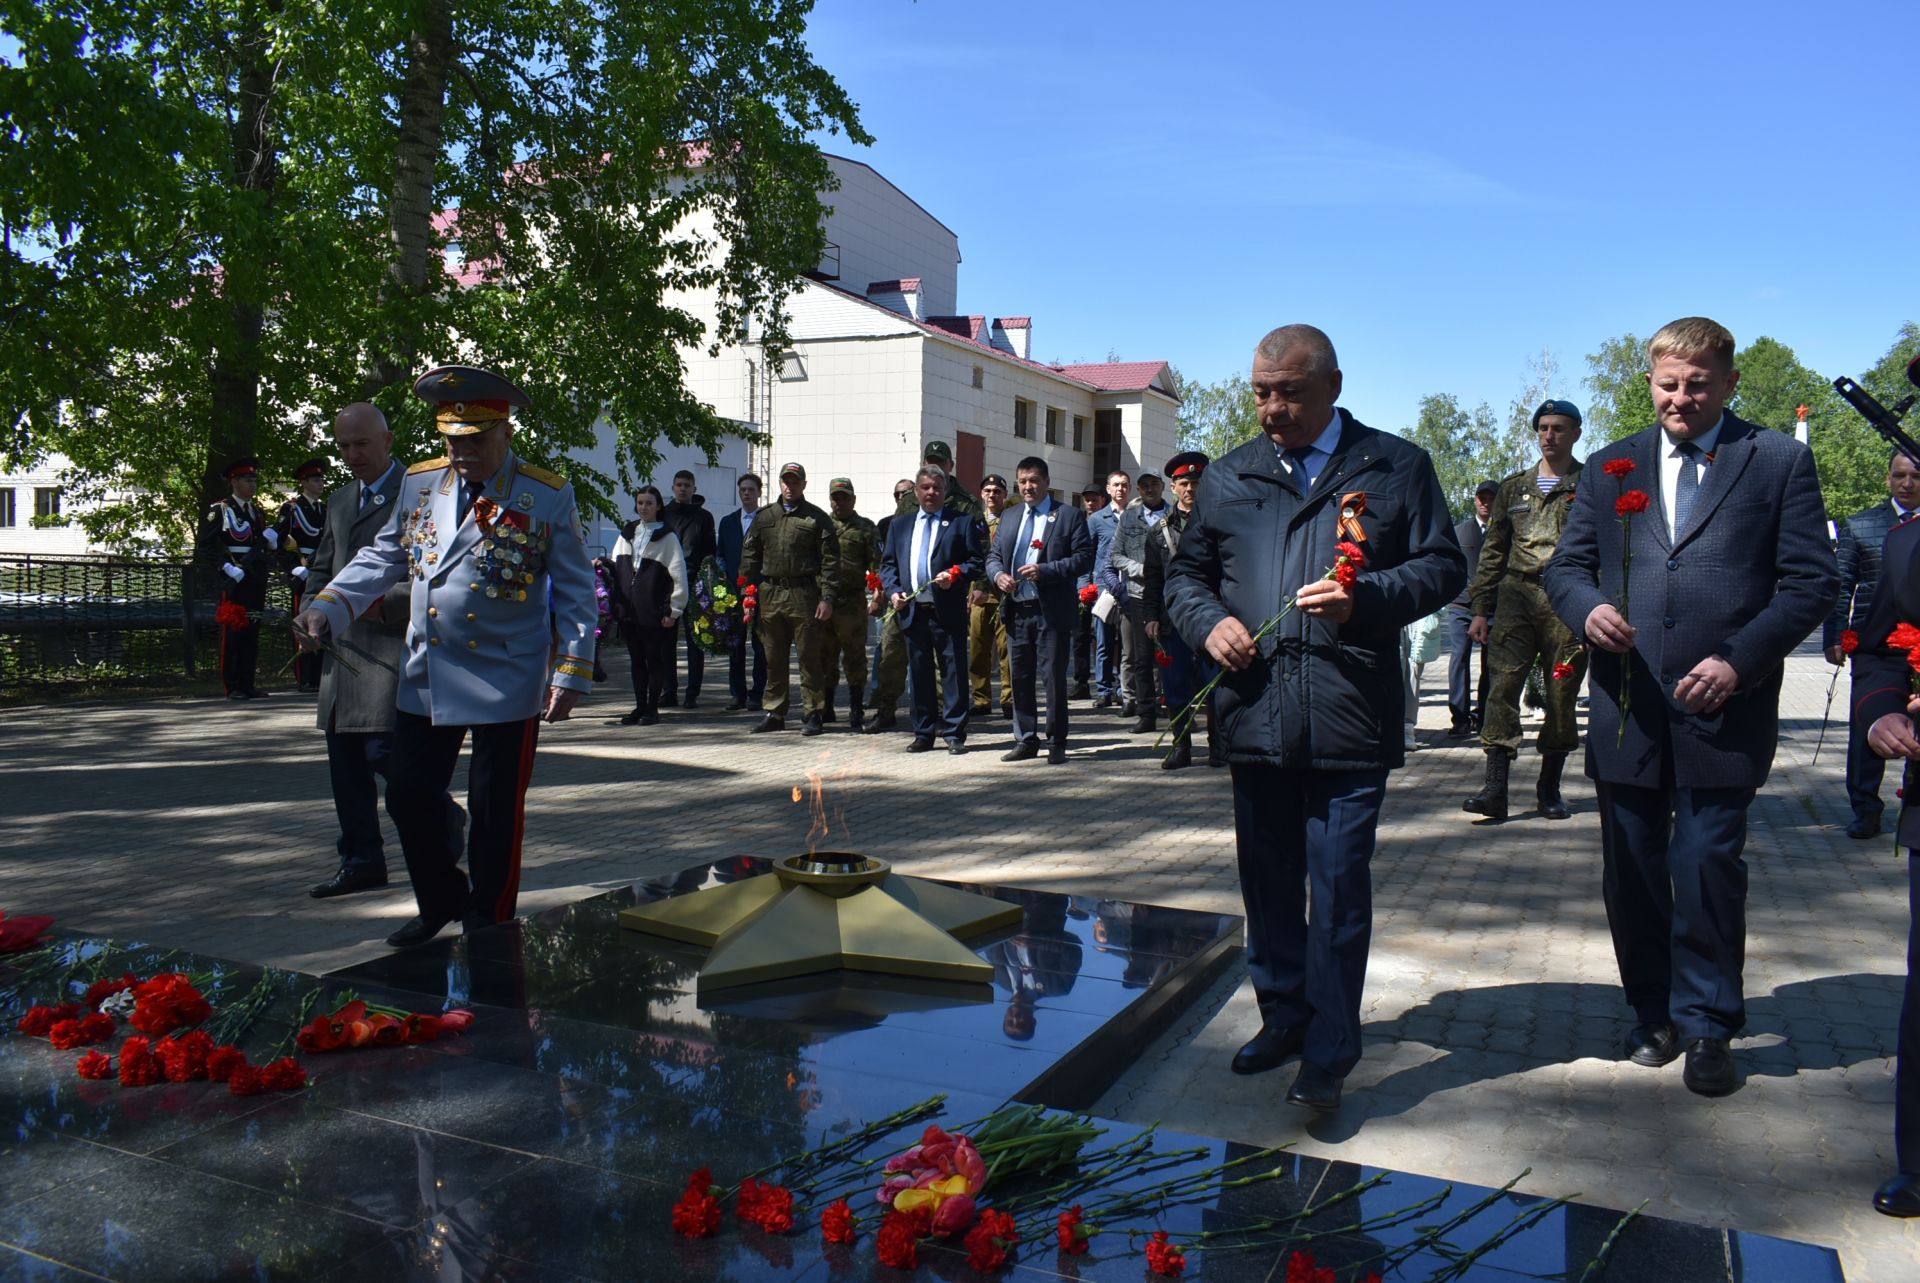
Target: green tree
point(215, 229)
point(1467, 447)
point(1851, 455)
point(1216, 417)
point(1621, 403)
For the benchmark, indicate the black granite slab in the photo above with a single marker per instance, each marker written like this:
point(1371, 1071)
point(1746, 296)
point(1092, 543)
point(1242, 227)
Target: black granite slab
point(550, 1141)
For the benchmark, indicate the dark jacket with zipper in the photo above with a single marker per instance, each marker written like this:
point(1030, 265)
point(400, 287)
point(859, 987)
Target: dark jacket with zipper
point(1322, 696)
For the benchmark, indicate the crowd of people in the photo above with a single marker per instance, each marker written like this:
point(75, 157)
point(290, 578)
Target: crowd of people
point(1673, 572)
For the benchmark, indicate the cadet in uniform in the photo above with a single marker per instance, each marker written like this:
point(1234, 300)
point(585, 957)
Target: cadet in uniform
point(793, 556)
point(502, 615)
point(846, 632)
point(1529, 513)
point(986, 627)
point(301, 524)
point(1187, 670)
point(244, 545)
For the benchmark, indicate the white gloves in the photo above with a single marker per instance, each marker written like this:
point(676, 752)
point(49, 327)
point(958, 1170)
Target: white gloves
point(299, 572)
point(233, 572)
point(272, 537)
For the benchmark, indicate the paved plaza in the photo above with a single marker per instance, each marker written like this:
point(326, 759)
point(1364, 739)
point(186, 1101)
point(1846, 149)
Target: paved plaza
point(1493, 1018)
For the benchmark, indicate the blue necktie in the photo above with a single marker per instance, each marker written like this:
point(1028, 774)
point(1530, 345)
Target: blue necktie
point(926, 550)
point(1025, 546)
point(1298, 458)
point(1689, 487)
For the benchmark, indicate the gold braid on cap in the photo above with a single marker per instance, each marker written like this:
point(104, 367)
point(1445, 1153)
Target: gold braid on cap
point(475, 417)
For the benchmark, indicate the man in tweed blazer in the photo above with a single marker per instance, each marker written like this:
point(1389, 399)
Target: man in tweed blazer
point(1721, 574)
point(1862, 537)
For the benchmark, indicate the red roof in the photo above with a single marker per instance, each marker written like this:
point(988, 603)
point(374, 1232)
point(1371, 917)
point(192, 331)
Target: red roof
point(904, 285)
point(1014, 322)
point(965, 327)
point(1118, 376)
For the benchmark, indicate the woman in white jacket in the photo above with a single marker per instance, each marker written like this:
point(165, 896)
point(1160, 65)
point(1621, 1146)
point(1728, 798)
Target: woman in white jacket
point(650, 594)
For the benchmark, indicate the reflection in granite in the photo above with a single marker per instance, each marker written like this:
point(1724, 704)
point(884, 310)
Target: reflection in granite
point(549, 1141)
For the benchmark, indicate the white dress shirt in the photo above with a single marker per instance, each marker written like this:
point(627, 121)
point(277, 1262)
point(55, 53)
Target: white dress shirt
point(1670, 458)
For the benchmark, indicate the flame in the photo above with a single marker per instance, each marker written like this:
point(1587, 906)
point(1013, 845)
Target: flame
point(815, 793)
point(796, 793)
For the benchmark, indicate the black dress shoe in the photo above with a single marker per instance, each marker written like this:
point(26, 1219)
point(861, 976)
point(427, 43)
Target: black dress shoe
point(1006, 712)
point(1314, 1088)
point(1899, 1196)
point(418, 931)
point(691, 701)
point(347, 881)
point(1129, 709)
point(669, 700)
point(956, 748)
point(1709, 1069)
point(1024, 751)
point(1180, 758)
point(921, 743)
point(882, 722)
point(1864, 827)
point(236, 694)
point(649, 719)
point(812, 725)
point(1056, 755)
point(774, 722)
point(1653, 1045)
point(633, 718)
point(1269, 1049)
point(1080, 692)
point(980, 710)
point(255, 694)
point(735, 706)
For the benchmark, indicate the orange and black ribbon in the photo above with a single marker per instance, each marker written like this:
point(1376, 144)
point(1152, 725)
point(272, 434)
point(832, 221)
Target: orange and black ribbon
point(1353, 506)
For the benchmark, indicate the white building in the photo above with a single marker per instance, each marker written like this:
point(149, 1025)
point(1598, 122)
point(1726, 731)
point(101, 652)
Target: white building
point(37, 493)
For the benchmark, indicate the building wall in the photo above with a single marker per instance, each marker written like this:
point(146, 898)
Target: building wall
point(883, 235)
point(850, 407)
point(23, 536)
point(954, 404)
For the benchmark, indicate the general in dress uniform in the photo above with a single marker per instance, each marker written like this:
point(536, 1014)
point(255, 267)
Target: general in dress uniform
point(243, 547)
point(500, 636)
point(302, 522)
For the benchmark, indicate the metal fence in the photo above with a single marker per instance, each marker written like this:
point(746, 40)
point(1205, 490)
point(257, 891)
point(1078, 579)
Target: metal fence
point(68, 620)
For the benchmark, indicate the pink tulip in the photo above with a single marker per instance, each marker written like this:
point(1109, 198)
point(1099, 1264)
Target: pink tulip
point(894, 1185)
point(968, 1163)
point(954, 1215)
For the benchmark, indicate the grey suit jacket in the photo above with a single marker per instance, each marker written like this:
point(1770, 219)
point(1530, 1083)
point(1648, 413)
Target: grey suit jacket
point(1747, 578)
point(362, 701)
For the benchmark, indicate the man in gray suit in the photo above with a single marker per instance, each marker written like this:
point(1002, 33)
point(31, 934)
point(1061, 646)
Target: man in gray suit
point(356, 708)
point(1694, 560)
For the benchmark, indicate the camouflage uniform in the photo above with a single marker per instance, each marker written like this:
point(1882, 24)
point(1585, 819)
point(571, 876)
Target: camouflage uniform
point(890, 680)
point(793, 556)
point(1522, 531)
point(987, 638)
point(846, 633)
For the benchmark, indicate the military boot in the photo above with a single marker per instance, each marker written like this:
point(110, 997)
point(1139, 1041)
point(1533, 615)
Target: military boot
point(1552, 806)
point(1147, 721)
point(856, 715)
point(1491, 800)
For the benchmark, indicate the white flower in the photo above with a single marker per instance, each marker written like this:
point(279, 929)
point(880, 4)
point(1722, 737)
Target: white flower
point(120, 1004)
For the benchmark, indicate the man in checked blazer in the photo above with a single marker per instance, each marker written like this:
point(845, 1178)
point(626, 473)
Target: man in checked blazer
point(1722, 572)
point(925, 546)
point(356, 708)
point(1043, 548)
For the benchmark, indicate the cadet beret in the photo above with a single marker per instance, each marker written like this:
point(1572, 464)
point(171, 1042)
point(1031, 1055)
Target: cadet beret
point(243, 467)
point(794, 469)
point(837, 485)
point(1486, 487)
point(1186, 463)
point(1567, 408)
point(311, 468)
point(937, 452)
point(993, 479)
point(469, 400)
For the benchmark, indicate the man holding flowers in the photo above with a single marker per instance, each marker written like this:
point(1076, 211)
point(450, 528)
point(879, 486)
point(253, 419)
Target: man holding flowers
point(1696, 564)
point(1311, 702)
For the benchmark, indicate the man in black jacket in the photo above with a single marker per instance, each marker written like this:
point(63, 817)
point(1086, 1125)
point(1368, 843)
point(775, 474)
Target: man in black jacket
point(1466, 701)
point(1862, 537)
point(1310, 713)
point(690, 520)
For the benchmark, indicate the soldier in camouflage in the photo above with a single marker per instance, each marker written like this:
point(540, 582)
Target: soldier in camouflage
point(1528, 514)
point(986, 626)
point(846, 633)
point(793, 556)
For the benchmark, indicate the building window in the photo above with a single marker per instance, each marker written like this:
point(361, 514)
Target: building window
point(1022, 419)
point(46, 501)
point(1079, 432)
point(979, 377)
point(8, 518)
point(1053, 426)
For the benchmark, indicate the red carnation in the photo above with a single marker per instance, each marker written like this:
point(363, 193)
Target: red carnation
point(246, 1080)
point(1161, 658)
point(1073, 1236)
point(836, 1223)
point(1849, 641)
point(987, 1242)
point(68, 1034)
point(222, 1061)
point(1168, 1259)
point(184, 1058)
point(1088, 594)
point(768, 1206)
point(166, 1003)
point(1353, 552)
point(1613, 468)
point(1631, 503)
point(1038, 544)
point(1913, 659)
point(230, 615)
point(39, 1021)
point(1903, 637)
point(1562, 671)
point(95, 1065)
point(873, 582)
point(101, 990)
point(955, 572)
point(898, 1242)
point(740, 581)
point(697, 1214)
point(284, 1074)
point(138, 1066)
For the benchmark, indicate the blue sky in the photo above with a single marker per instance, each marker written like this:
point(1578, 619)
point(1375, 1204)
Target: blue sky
point(1445, 188)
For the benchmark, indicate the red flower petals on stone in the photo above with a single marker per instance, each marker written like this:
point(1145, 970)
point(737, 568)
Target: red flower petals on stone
point(222, 1061)
point(101, 990)
point(898, 1242)
point(1168, 1259)
point(768, 1206)
point(166, 1003)
point(39, 1021)
point(95, 1065)
point(836, 1223)
point(84, 1032)
point(1072, 1234)
point(987, 1242)
point(697, 1214)
point(139, 1067)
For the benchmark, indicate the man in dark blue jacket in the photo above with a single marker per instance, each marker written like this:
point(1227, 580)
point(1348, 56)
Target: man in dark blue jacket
point(1310, 712)
point(930, 555)
point(730, 537)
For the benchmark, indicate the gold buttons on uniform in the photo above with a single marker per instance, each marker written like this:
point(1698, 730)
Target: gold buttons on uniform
point(473, 645)
point(433, 641)
point(471, 616)
point(433, 612)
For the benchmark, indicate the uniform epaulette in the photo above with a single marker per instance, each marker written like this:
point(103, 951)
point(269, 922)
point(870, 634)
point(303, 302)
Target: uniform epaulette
point(543, 476)
point(430, 465)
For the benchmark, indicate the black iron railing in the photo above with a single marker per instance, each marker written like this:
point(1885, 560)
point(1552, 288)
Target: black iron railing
point(67, 620)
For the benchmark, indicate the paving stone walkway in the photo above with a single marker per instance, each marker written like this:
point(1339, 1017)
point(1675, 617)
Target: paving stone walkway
point(1493, 1018)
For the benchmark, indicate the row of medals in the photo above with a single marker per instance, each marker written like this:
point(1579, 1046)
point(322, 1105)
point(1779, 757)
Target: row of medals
point(508, 562)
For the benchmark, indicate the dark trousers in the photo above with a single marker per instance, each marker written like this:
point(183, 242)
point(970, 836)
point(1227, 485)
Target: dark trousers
point(1465, 698)
point(1296, 829)
point(1083, 647)
point(356, 761)
point(1676, 893)
point(696, 658)
point(651, 649)
point(422, 763)
point(240, 647)
point(1037, 654)
point(939, 700)
point(1906, 1073)
point(1187, 673)
point(737, 671)
point(1865, 768)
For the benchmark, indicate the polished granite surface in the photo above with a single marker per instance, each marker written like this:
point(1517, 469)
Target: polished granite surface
point(550, 1141)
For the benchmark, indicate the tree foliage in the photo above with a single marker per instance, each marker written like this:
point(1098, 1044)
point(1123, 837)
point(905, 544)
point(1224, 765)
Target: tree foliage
point(1620, 403)
point(1467, 447)
point(220, 223)
point(1216, 417)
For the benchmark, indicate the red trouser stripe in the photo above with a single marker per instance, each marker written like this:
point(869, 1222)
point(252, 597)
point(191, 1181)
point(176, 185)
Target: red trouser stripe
point(510, 888)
